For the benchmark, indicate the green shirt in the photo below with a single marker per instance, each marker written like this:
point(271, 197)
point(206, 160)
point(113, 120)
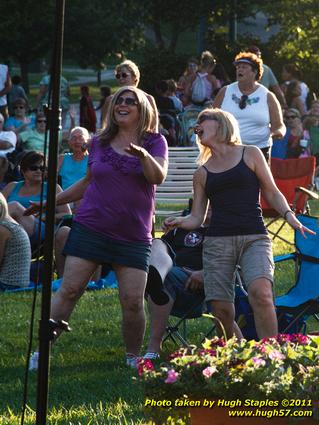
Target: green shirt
point(33, 140)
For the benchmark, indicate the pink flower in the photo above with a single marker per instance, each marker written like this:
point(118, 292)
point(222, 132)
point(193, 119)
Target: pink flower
point(276, 355)
point(144, 365)
point(258, 362)
point(172, 377)
point(209, 371)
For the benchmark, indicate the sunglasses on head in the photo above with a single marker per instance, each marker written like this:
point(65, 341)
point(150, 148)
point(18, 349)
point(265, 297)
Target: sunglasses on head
point(243, 101)
point(122, 75)
point(19, 107)
point(36, 168)
point(129, 101)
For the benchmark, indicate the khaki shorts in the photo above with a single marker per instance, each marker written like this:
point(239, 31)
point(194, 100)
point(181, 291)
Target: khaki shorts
point(220, 256)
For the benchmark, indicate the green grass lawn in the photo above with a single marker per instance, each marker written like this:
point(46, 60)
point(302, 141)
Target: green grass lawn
point(89, 382)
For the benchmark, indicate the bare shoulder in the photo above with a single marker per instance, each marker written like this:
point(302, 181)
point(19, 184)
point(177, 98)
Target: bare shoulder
point(200, 175)
point(219, 97)
point(253, 157)
point(8, 189)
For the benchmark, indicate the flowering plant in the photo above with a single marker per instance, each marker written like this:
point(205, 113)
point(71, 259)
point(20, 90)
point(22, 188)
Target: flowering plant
point(283, 367)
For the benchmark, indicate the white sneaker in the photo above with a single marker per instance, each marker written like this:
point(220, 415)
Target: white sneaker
point(132, 361)
point(34, 361)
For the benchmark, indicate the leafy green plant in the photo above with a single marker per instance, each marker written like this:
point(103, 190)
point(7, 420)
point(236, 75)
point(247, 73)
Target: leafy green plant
point(286, 366)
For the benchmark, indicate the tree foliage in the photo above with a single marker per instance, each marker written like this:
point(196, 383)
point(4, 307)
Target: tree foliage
point(97, 28)
point(26, 31)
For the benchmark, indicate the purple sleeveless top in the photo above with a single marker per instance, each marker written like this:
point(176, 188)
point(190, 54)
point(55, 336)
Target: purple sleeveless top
point(119, 201)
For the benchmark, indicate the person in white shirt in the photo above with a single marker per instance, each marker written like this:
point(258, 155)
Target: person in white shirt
point(8, 139)
point(5, 87)
point(256, 109)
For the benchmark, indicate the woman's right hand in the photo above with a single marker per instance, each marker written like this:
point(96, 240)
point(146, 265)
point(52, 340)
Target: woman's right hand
point(171, 222)
point(34, 208)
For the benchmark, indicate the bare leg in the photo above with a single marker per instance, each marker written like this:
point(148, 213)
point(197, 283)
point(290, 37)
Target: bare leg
point(159, 316)
point(76, 276)
point(131, 291)
point(16, 211)
point(225, 312)
point(60, 239)
point(260, 297)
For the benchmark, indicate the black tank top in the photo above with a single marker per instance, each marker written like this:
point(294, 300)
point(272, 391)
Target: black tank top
point(234, 197)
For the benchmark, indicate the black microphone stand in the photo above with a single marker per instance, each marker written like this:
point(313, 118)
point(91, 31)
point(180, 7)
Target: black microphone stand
point(47, 327)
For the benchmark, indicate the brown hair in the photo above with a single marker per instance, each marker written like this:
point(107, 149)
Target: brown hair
point(145, 121)
point(254, 61)
point(31, 158)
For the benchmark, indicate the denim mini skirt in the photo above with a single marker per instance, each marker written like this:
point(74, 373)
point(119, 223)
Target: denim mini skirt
point(85, 243)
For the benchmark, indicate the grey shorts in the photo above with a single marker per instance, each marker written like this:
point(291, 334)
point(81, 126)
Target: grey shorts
point(220, 256)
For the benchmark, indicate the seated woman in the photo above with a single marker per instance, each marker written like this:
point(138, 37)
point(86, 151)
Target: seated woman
point(20, 121)
point(15, 251)
point(19, 194)
point(72, 165)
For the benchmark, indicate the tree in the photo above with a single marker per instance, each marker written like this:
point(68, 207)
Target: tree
point(26, 32)
point(96, 29)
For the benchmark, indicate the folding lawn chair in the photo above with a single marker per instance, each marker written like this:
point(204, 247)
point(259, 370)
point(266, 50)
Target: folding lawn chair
point(176, 329)
point(302, 300)
point(294, 178)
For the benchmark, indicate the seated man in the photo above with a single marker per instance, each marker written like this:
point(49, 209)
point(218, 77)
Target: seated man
point(176, 260)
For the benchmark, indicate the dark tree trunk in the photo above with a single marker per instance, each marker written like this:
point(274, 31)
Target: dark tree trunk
point(174, 38)
point(24, 68)
point(158, 35)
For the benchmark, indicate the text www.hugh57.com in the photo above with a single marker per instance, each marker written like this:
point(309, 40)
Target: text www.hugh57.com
point(270, 413)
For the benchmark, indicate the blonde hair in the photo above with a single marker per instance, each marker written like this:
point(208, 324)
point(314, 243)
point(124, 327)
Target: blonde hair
point(228, 131)
point(146, 116)
point(3, 207)
point(132, 67)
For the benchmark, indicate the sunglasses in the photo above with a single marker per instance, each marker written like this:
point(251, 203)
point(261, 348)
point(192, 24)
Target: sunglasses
point(19, 107)
point(290, 117)
point(129, 101)
point(122, 75)
point(42, 120)
point(243, 101)
point(36, 168)
point(205, 117)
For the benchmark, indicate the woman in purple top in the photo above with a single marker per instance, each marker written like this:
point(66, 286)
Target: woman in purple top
point(114, 220)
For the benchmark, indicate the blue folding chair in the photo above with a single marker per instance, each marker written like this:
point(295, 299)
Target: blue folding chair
point(302, 300)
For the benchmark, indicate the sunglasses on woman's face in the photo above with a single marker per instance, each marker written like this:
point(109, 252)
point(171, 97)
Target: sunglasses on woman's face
point(129, 101)
point(36, 168)
point(243, 101)
point(290, 117)
point(122, 75)
point(205, 117)
point(41, 120)
point(19, 107)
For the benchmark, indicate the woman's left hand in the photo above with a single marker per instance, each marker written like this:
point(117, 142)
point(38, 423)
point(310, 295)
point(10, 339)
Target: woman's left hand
point(136, 150)
point(295, 224)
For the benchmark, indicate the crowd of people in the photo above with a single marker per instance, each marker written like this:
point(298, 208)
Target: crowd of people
point(108, 177)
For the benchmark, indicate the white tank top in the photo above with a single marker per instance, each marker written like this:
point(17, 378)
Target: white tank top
point(254, 119)
point(3, 78)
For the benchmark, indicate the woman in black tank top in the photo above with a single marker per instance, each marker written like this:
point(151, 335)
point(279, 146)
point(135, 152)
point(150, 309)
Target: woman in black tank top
point(231, 176)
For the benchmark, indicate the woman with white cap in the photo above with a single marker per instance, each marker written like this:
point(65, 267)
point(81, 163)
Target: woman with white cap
point(256, 109)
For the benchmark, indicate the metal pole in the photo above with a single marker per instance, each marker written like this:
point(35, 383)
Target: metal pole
point(46, 329)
